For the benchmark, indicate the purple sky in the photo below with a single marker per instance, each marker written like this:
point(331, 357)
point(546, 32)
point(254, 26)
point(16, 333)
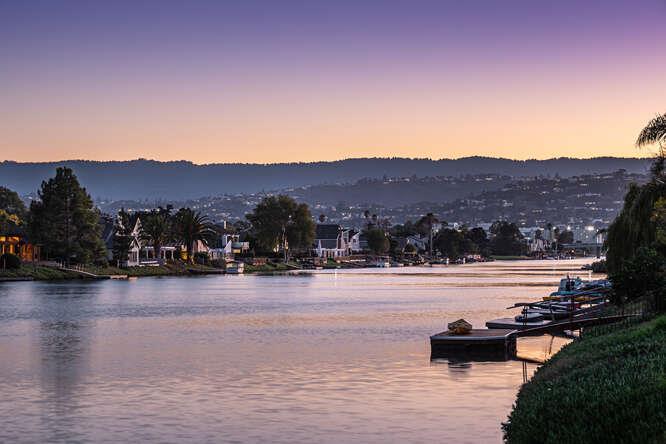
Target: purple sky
point(274, 81)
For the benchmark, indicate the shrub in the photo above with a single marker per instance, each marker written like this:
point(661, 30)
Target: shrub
point(10, 261)
point(201, 258)
point(607, 388)
point(599, 267)
point(643, 275)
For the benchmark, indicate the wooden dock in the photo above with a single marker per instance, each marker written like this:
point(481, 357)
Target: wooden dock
point(493, 343)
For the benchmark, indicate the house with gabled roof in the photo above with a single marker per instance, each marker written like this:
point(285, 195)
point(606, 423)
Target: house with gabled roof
point(331, 241)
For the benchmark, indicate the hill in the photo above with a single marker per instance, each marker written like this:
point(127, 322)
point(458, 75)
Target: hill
point(149, 179)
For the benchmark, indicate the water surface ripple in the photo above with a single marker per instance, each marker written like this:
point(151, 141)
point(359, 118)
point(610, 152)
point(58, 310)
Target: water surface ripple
point(327, 357)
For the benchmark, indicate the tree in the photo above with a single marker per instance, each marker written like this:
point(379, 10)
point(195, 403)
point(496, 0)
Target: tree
point(191, 226)
point(636, 245)
point(156, 229)
point(301, 230)
point(425, 226)
point(378, 243)
point(280, 222)
point(565, 237)
point(65, 222)
point(122, 238)
point(11, 203)
point(450, 242)
point(507, 239)
point(654, 132)
point(478, 237)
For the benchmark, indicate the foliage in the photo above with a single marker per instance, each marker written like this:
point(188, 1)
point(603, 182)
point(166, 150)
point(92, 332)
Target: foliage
point(301, 229)
point(9, 223)
point(636, 242)
point(10, 261)
point(404, 230)
point(280, 222)
point(599, 266)
point(654, 132)
point(65, 222)
point(201, 258)
point(601, 388)
point(190, 227)
point(122, 237)
point(156, 229)
point(565, 237)
point(452, 243)
point(643, 274)
point(425, 224)
point(507, 239)
point(11, 203)
point(410, 249)
point(479, 239)
point(378, 243)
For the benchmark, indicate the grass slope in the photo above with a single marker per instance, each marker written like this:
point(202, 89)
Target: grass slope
point(607, 388)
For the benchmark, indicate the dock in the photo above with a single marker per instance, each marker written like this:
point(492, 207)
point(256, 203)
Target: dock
point(499, 343)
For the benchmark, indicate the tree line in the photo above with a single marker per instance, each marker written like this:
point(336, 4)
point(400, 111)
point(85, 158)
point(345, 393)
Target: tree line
point(636, 241)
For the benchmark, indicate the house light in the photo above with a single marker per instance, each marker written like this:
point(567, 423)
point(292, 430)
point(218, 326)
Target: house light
point(589, 228)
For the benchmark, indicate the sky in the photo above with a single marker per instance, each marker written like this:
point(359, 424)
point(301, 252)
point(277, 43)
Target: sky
point(283, 81)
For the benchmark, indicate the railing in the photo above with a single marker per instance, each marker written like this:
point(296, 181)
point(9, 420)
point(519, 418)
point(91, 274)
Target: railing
point(634, 313)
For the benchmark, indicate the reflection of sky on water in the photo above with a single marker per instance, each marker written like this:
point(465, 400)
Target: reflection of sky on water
point(331, 357)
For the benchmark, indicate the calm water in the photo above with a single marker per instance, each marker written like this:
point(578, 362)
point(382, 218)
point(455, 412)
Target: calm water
point(326, 357)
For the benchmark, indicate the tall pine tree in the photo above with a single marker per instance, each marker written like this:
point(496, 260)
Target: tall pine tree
point(65, 223)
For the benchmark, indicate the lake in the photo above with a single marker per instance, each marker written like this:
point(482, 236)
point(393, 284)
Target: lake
point(325, 357)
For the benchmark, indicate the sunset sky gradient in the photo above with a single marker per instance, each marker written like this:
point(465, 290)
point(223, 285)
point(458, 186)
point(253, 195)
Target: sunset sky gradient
point(274, 81)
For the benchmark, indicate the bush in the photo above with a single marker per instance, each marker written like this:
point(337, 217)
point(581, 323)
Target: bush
point(201, 258)
point(640, 276)
point(10, 261)
point(607, 388)
point(599, 267)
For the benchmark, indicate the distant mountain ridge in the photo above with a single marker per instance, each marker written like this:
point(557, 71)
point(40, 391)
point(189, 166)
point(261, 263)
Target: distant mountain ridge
point(150, 179)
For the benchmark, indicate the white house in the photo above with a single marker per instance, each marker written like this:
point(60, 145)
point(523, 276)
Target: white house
point(332, 241)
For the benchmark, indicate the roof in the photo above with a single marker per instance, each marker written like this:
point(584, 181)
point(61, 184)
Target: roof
point(108, 230)
point(330, 244)
point(328, 231)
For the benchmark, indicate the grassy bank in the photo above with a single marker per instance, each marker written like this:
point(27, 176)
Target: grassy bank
point(606, 388)
point(174, 269)
point(38, 273)
point(29, 272)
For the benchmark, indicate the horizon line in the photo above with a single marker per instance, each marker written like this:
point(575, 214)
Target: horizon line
point(142, 159)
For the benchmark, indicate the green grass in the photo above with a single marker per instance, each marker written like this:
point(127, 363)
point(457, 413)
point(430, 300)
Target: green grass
point(36, 273)
point(173, 269)
point(605, 388)
point(267, 268)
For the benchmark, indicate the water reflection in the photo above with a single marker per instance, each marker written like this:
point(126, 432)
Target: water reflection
point(333, 357)
point(65, 335)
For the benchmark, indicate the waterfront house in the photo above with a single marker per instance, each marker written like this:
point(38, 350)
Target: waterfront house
point(358, 242)
point(13, 240)
point(331, 241)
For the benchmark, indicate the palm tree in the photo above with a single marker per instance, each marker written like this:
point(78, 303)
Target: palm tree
point(156, 229)
point(428, 221)
point(191, 226)
point(655, 133)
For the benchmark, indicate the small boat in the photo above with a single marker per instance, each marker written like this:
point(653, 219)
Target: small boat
point(382, 262)
point(529, 316)
point(235, 268)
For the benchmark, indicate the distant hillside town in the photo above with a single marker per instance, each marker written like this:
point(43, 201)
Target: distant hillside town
point(582, 204)
point(539, 217)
